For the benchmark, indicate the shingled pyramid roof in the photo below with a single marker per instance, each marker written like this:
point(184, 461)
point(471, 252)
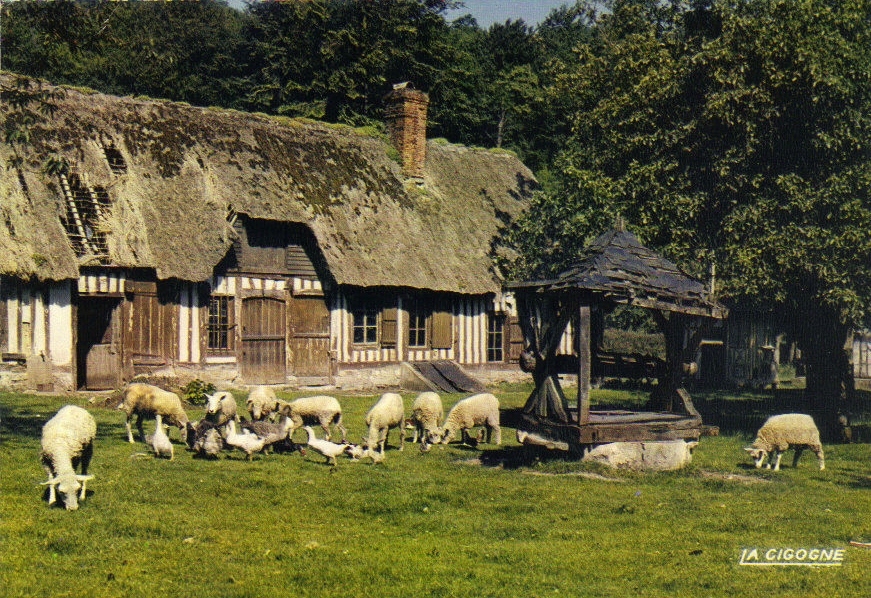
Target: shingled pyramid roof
point(618, 268)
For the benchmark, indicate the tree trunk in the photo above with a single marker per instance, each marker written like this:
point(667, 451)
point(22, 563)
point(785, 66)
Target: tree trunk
point(829, 373)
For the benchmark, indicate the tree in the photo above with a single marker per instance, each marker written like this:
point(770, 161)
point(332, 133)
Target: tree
point(731, 134)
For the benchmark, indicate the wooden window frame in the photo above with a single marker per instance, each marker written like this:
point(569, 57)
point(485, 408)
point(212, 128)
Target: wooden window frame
point(365, 318)
point(224, 330)
point(496, 338)
point(419, 324)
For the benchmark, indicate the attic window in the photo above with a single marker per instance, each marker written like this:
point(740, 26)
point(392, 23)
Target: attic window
point(84, 208)
point(115, 159)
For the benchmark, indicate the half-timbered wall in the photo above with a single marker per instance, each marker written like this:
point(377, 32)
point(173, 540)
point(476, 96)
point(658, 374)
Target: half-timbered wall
point(36, 320)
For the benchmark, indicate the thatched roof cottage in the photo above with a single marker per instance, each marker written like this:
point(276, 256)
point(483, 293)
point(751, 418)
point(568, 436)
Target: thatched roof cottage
point(259, 248)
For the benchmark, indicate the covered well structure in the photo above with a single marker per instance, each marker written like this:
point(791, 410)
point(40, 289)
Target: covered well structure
point(615, 269)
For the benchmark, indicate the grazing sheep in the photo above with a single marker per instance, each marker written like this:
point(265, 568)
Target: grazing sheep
point(261, 402)
point(387, 413)
point(781, 432)
point(322, 409)
point(147, 400)
point(221, 408)
point(427, 413)
point(328, 449)
point(159, 441)
point(67, 442)
point(247, 443)
point(477, 410)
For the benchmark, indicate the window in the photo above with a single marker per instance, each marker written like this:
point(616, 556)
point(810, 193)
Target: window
point(495, 337)
point(418, 314)
point(220, 324)
point(365, 325)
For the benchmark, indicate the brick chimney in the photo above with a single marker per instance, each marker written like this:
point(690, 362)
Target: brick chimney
point(405, 115)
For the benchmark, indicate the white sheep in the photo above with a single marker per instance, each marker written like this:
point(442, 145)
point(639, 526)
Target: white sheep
point(427, 413)
point(147, 400)
point(261, 402)
point(221, 408)
point(323, 409)
point(67, 443)
point(477, 410)
point(159, 441)
point(387, 413)
point(781, 432)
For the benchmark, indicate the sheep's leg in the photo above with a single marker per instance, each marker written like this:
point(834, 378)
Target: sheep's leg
point(777, 455)
point(497, 432)
point(52, 497)
point(342, 428)
point(821, 458)
point(129, 429)
point(401, 437)
point(87, 454)
point(798, 452)
point(139, 427)
point(326, 426)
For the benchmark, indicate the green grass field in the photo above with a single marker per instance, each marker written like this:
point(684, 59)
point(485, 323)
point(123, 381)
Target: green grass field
point(456, 521)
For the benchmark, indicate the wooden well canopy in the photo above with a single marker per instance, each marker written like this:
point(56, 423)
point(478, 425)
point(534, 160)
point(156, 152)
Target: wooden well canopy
point(614, 269)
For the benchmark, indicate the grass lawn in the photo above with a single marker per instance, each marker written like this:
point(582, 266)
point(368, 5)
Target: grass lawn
point(456, 521)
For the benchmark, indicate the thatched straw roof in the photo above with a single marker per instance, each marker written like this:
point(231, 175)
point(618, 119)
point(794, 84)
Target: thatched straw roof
point(616, 267)
point(187, 166)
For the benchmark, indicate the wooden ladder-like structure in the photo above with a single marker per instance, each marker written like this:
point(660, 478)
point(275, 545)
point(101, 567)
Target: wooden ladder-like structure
point(84, 208)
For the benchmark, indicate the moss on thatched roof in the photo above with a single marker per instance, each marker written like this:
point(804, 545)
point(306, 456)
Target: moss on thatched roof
point(187, 167)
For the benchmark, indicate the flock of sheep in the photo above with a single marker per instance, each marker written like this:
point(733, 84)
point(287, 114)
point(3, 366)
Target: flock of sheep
point(68, 437)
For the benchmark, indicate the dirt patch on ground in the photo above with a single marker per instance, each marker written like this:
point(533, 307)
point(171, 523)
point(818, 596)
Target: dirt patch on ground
point(578, 474)
point(733, 477)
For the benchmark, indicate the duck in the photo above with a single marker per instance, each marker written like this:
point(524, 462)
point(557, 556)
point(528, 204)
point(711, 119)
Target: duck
point(328, 449)
point(248, 443)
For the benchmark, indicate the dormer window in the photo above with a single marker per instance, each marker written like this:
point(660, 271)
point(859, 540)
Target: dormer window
point(115, 159)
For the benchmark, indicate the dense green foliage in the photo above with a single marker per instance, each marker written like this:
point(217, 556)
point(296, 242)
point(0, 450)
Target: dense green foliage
point(732, 135)
point(435, 524)
point(325, 59)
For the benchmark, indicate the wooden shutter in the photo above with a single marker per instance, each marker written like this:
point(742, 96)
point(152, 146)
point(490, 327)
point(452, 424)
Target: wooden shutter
point(442, 329)
point(388, 326)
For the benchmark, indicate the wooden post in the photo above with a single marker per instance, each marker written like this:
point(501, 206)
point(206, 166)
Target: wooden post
point(584, 364)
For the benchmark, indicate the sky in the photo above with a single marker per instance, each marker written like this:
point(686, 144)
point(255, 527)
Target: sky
point(487, 12)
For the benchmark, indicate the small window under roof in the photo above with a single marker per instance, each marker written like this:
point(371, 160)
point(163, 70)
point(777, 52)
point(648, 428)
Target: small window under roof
point(115, 159)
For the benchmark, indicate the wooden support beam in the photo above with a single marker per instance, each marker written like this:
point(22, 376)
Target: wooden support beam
point(584, 364)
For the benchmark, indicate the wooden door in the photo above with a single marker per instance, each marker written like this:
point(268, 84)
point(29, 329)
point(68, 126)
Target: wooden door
point(99, 347)
point(263, 341)
point(515, 339)
point(309, 341)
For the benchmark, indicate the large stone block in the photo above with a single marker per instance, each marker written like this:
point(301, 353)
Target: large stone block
point(643, 456)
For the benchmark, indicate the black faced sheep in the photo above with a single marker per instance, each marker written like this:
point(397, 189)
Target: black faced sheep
point(781, 432)
point(67, 442)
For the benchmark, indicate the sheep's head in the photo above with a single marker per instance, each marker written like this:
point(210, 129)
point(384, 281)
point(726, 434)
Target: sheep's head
point(434, 436)
point(68, 486)
point(213, 403)
point(757, 454)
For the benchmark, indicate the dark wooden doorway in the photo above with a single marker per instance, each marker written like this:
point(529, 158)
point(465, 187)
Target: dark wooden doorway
point(98, 355)
point(263, 340)
point(309, 340)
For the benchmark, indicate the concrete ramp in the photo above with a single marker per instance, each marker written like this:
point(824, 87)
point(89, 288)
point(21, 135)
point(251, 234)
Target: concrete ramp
point(438, 376)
